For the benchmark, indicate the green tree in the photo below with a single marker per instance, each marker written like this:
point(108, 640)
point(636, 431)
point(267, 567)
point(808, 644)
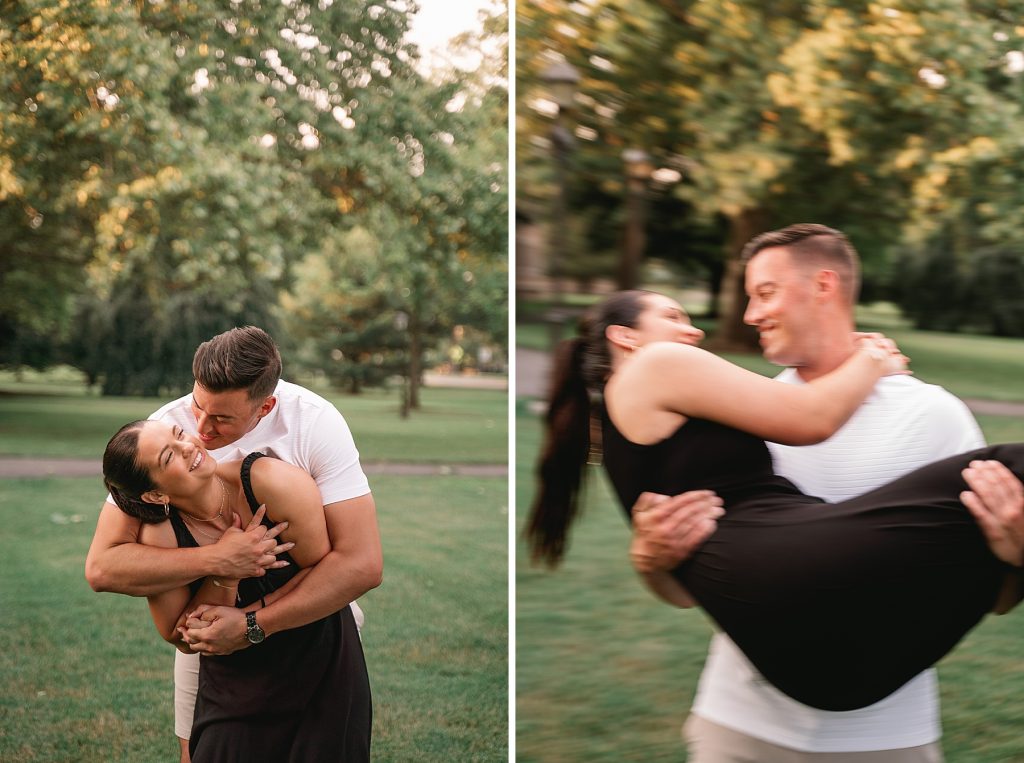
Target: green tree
point(187, 155)
point(834, 112)
point(437, 227)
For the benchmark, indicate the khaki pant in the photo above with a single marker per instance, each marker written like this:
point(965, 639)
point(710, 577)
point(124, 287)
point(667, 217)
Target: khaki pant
point(707, 742)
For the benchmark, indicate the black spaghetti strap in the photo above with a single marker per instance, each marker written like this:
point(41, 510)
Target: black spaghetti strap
point(246, 483)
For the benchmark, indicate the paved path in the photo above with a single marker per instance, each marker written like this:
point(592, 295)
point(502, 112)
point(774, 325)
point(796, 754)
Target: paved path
point(17, 466)
point(534, 366)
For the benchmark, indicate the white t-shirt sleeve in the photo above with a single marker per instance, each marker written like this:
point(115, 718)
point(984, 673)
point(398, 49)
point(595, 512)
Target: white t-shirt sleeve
point(953, 426)
point(333, 458)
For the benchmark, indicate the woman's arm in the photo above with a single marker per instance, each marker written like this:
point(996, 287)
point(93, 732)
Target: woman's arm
point(667, 380)
point(168, 609)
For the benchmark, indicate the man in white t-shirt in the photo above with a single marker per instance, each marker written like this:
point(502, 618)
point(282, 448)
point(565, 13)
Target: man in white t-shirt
point(239, 405)
point(802, 282)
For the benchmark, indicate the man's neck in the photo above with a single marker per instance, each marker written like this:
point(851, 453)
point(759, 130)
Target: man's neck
point(832, 351)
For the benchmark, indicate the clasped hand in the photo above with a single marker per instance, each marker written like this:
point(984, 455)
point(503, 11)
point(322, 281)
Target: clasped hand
point(248, 553)
point(668, 529)
point(880, 347)
point(214, 630)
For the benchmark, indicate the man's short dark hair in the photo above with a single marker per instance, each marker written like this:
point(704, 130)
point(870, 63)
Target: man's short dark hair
point(242, 358)
point(815, 245)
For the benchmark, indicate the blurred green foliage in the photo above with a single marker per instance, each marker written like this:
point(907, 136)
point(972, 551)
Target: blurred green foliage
point(896, 122)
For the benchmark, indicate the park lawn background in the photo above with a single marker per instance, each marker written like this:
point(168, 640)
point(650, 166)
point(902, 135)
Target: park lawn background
point(87, 678)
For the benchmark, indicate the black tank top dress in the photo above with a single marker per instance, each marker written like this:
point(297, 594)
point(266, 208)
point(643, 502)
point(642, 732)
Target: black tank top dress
point(301, 696)
point(836, 605)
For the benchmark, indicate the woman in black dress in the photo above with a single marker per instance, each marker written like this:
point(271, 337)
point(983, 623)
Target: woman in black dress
point(836, 608)
point(300, 695)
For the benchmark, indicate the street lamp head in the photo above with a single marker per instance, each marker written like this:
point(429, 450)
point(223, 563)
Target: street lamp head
point(561, 78)
point(638, 164)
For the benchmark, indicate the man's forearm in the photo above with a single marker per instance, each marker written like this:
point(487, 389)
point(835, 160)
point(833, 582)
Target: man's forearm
point(668, 589)
point(136, 569)
point(334, 582)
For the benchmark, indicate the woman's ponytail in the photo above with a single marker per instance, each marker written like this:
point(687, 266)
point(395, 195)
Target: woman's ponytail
point(560, 468)
point(582, 365)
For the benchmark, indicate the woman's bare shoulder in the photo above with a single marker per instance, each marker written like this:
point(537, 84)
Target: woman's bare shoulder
point(160, 534)
point(273, 478)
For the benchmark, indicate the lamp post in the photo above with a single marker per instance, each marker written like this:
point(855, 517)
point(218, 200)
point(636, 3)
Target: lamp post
point(638, 173)
point(561, 79)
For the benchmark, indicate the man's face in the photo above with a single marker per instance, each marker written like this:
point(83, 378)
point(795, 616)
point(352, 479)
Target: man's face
point(223, 417)
point(782, 307)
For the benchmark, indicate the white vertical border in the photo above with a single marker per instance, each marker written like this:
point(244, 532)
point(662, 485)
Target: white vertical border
point(511, 382)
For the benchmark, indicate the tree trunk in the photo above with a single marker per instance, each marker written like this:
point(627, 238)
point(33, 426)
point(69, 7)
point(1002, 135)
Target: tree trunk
point(634, 237)
point(732, 333)
point(415, 361)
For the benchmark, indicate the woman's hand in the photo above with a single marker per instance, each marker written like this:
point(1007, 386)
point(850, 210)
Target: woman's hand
point(883, 349)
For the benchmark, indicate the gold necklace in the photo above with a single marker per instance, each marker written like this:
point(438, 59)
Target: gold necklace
point(206, 535)
point(218, 515)
point(223, 501)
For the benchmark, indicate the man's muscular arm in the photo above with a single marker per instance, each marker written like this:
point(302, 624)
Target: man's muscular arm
point(353, 566)
point(117, 562)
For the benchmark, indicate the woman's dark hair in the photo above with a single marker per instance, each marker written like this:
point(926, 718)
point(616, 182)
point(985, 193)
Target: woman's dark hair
point(242, 358)
point(581, 367)
point(126, 478)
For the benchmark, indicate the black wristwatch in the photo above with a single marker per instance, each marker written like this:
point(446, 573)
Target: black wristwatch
point(253, 631)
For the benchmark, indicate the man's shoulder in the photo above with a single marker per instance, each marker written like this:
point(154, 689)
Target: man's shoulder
point(173, 409)
point(307, 412)
point(297, 396)
point(919, 393)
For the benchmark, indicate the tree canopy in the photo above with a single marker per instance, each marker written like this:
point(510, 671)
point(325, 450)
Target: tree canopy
point(895, 122)
point(166, 169)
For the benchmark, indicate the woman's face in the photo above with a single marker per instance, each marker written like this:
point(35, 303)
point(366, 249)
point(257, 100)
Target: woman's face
point(176, 461)
point(663, 320)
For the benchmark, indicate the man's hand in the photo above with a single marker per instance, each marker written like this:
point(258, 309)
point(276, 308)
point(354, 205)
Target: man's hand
point(996, 499)
point(250, 552)
point(215, 630)
point(666, 530)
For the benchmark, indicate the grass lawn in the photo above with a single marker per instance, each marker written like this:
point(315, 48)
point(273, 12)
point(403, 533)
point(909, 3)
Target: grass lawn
point(604, 672)
point(472, 424)
point(86, 678)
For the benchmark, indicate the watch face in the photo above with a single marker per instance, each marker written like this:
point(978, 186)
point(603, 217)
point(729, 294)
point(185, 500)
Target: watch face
point(253, 631)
